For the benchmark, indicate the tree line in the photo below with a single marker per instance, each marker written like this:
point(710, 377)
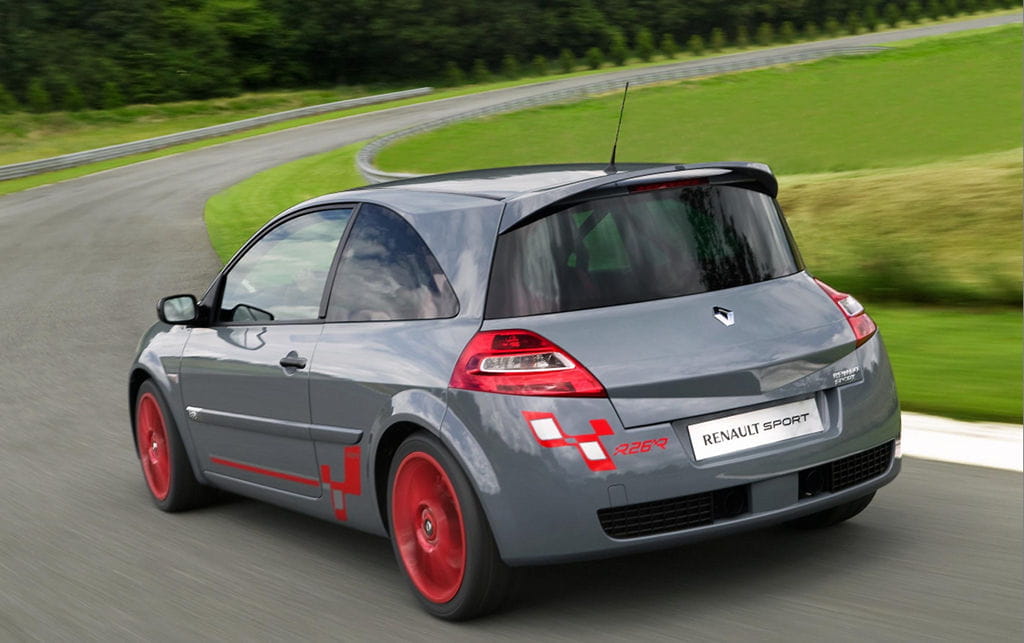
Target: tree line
point(79, 54)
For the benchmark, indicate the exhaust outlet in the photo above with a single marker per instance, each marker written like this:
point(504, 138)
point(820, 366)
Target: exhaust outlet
point(812, 482)
point(730, 503)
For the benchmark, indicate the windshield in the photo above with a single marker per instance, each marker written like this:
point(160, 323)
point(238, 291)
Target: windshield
point(639, 247)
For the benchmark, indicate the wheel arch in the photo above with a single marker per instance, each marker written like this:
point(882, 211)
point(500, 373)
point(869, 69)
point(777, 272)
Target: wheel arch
point(142, 373)
point(138, 376)
point(453, 435)
point(387, 446)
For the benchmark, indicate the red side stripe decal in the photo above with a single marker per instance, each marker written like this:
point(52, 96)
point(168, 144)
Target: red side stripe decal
point(336, 489)
point(264, 472)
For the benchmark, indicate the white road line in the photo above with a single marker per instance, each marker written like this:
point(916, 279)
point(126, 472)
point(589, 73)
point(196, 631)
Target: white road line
point(983, 444)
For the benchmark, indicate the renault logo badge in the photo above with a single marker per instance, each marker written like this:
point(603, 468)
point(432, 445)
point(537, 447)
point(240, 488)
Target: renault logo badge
point(724, 315)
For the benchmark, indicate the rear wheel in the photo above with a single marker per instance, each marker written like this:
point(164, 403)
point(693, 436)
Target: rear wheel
point(169, 477)
point(440, 535)
point(835, 515)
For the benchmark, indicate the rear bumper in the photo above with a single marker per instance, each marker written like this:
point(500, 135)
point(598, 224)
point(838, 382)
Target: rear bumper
point(549, 503)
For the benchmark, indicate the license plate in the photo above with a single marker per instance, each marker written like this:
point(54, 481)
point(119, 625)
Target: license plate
point(754, 428)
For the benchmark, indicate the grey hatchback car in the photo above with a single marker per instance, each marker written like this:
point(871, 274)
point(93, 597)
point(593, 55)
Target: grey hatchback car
point(522, 366)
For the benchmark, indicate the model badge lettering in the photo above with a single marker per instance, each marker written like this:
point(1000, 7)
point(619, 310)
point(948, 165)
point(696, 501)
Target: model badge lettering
point(641, 446)
point(794, 419)
point(752, 429)
point(845, 376)
point(744, 431)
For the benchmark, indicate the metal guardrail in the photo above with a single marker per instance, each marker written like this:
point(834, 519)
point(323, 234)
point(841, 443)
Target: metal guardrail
point(29, 168)
point(364, 159)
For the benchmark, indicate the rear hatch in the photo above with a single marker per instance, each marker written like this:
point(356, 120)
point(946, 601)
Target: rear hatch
point(683, 299)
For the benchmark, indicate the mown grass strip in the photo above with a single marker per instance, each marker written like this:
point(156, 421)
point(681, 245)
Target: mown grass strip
point(957, 363)
point(940, 99)
point(27, 136)
point(945, 233)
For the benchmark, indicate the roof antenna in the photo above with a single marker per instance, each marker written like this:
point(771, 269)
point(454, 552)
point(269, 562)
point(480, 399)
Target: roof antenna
point(611, 167)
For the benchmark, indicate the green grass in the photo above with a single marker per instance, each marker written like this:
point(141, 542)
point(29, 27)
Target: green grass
point(26, 136)
point(16, 185)
point(956, 363)
point(233, 215)
point(940, 99)
point(946, 233)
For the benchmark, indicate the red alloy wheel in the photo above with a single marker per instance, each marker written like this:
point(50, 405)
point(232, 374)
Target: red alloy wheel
point(151, 435)
point(429, 531)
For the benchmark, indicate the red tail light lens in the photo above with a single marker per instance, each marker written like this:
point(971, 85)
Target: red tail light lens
point(863, 326)
point(519, 362)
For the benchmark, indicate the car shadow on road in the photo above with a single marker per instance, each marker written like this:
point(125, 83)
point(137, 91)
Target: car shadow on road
point(730, 569)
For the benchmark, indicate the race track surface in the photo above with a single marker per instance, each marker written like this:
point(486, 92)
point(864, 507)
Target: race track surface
point(85, 556)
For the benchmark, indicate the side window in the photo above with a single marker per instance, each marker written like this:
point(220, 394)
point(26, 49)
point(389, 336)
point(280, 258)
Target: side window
point(282, 277)
point(388, 273)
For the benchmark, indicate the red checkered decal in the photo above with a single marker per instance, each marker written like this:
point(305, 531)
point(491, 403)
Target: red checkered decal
point(549, 434)
point(351, 484)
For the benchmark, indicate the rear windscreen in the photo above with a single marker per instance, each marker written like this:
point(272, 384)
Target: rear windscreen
point(639, 247)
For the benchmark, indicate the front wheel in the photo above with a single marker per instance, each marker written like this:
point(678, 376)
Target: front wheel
point(440, 535)
point(165, 464)
point(834, 515)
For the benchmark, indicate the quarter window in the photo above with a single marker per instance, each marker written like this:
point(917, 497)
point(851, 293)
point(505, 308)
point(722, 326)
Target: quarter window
point(282, 277)
point(387, 272)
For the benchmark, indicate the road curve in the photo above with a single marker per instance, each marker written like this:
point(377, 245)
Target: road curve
point(85, 556)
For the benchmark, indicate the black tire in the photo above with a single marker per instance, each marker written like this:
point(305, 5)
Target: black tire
point(423, 521)
point(165, 467)
point(834, 515)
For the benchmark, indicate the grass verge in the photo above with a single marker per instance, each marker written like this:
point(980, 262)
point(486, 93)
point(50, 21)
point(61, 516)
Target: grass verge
point(941, 98)
point(964, 364)
point(26, 136)
point(233, 215)
point(945, 233)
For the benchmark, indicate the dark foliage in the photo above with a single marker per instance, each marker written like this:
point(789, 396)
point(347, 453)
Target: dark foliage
point(74, 54)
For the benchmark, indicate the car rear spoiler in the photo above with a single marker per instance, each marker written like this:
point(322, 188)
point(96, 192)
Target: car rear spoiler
point(521, 209)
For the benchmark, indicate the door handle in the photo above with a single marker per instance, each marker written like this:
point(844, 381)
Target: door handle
point(291, 360)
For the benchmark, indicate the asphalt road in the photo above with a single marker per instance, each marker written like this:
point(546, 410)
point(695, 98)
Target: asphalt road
point(85, 556)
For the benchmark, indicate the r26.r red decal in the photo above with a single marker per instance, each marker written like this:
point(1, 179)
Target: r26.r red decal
point(642, 446)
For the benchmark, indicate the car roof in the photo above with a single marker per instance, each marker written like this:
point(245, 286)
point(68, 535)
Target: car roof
point(504, 183)
point(523, 190)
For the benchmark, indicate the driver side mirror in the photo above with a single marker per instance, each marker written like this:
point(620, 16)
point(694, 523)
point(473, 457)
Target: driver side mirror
point(178, 309)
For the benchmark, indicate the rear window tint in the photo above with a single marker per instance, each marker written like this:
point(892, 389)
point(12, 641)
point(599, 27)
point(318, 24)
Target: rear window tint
point(639, 247)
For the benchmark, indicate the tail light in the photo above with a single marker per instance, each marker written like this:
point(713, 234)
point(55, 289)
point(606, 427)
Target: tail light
point(519, 362)
point(863, 326)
